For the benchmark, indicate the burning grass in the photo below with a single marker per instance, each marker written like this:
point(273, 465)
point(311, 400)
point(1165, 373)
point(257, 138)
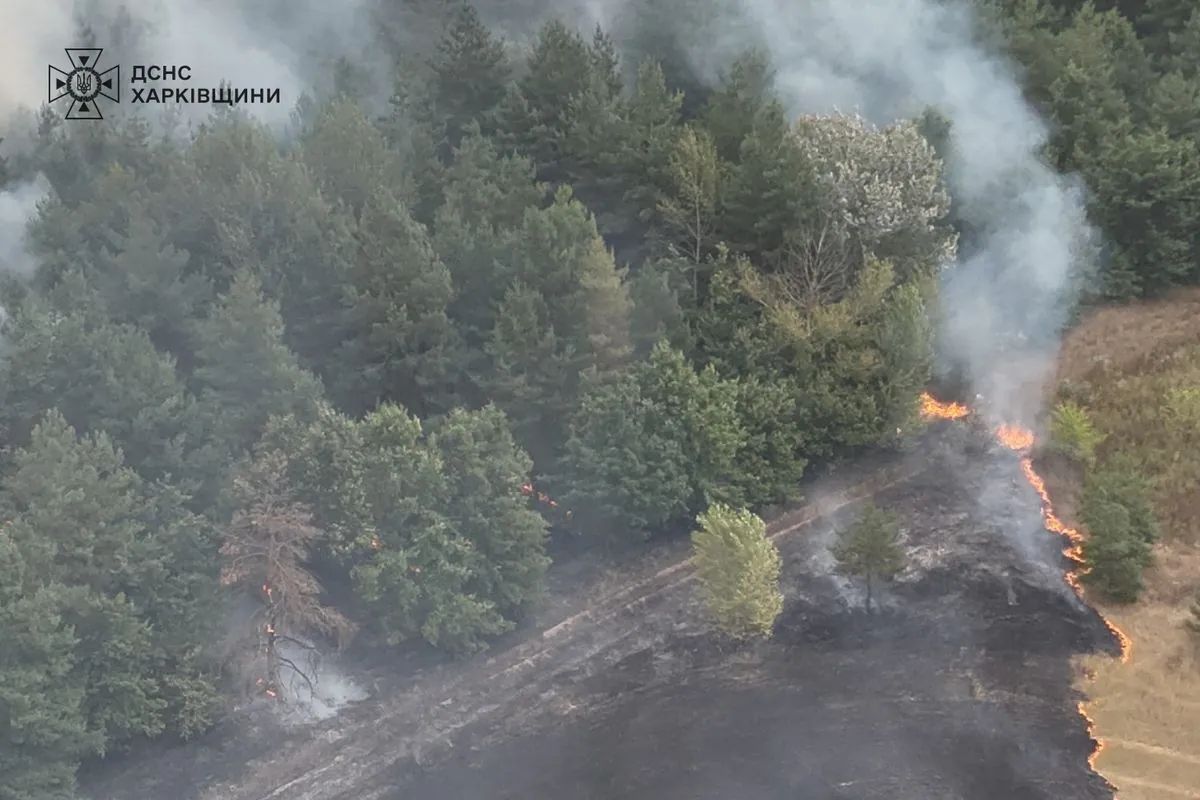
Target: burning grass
point(1137, 370)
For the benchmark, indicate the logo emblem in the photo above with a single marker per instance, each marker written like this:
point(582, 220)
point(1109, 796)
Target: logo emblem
point(84, 84)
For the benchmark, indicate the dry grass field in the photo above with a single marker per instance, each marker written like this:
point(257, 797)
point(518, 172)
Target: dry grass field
point(1137, 370)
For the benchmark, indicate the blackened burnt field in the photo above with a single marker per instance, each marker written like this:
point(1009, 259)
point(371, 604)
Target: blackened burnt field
point(960, 688)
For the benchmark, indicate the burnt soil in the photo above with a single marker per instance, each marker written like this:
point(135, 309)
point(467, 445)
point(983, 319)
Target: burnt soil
point(959, 687)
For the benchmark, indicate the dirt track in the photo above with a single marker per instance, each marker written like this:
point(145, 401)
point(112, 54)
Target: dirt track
point(566, 671)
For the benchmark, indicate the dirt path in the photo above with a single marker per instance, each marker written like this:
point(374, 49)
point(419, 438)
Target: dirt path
point(344, 757)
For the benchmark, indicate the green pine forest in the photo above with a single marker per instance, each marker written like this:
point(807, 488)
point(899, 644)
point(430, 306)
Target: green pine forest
point(329, 366)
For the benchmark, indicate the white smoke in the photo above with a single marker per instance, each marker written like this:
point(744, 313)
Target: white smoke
point(270, 45)
point(316, 689)
point(820, 561)
point(890, 59)
point(19, 206)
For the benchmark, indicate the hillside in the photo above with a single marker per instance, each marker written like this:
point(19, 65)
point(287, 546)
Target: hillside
point(1127, 365)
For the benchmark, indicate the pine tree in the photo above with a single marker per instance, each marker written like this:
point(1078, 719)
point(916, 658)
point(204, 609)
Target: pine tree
point(348, 155)
point(485, 469)
point(562, 70)
point(622, 475)
point(245, 373)
point(265, 551)
point(739, 568)
point(402, 346)
point(141, 601)
point(731, 111)
point(145, 281)
point(43, 727)
point(486, 198)
point(870, 549)
point(417, 578)
point(651, 446)
point(1153, 232)
point(102, 377)
point(471, 74)
point(531, 374)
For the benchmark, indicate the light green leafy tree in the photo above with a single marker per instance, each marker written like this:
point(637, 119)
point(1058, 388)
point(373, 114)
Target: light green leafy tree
point(739, 568)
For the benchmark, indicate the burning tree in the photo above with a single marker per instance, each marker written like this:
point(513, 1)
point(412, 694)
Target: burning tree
point(265, 548)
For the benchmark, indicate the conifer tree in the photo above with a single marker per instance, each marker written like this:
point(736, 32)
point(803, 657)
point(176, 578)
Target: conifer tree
point(870, 549)
point(244, 372)
point(739, 568)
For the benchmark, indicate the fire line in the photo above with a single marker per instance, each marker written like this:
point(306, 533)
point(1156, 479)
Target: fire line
point(1021, 441)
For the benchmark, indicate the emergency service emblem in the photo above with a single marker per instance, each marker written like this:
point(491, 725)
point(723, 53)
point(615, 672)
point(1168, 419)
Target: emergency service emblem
point(85, 84)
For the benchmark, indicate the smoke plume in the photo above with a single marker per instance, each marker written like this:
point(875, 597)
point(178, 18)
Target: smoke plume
point(1006, 300)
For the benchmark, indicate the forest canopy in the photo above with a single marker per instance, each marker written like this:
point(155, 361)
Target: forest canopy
point(368, 375)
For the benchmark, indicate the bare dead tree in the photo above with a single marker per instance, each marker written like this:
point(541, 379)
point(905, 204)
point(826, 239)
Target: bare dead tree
point(265, 549)
point(817, 266)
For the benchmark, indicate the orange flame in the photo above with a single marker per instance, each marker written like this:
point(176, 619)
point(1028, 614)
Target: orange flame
point(935, 409)
point(1021, 441)
point(529, 490)
point(1016, 439)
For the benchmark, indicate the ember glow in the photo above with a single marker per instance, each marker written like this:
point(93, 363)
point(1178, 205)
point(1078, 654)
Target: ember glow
point(268, 684)
point(1021, 441)
point(528, 490)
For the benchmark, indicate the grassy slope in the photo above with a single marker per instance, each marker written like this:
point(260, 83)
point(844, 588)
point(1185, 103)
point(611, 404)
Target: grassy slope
point(1132, 367)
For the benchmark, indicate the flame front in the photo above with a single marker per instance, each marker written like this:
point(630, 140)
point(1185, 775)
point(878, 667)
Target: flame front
point(1021, 441)
point(935, 409)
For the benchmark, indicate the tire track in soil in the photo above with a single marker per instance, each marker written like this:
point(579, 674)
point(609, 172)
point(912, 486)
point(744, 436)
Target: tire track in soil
point(1162, 788)
point(335, 760)
point(1151, 748)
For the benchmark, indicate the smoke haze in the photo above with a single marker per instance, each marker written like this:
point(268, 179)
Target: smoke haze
point(1004, 302)
point(18, 205)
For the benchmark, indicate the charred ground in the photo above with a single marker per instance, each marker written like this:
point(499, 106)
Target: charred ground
point(960, 688)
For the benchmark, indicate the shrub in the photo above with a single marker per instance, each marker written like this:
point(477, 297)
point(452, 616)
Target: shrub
point(1073, 434)
point(1182, 406)
point(1121, 529)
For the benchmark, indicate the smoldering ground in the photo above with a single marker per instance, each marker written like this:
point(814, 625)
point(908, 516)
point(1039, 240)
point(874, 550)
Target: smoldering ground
point(309, 682)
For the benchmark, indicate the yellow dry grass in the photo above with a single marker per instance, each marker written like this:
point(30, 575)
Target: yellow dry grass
point(1123, 364)
point(1145, 711)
